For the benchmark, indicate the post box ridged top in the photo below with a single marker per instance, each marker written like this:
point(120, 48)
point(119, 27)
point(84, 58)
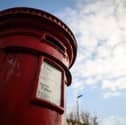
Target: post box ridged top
point(71, 44)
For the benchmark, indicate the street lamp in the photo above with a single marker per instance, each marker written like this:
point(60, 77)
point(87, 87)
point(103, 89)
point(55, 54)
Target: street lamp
point(78, 97)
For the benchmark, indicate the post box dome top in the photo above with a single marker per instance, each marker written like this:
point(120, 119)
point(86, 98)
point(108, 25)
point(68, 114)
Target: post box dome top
point(15, 12)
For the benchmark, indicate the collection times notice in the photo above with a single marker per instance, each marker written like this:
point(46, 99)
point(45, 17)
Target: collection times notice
point(50, 83)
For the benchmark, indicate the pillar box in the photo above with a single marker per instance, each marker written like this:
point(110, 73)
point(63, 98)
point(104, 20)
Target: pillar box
point(36, 52)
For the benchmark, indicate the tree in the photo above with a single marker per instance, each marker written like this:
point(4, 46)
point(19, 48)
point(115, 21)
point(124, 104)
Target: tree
point(85, 117)
point(72, 118)
point(94, 120)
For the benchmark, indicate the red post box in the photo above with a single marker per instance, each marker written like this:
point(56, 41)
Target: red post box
point(36, 53)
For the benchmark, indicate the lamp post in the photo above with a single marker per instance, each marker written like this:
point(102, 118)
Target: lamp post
point(78, 118)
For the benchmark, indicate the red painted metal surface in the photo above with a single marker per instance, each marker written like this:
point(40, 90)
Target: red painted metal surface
point(27, 37)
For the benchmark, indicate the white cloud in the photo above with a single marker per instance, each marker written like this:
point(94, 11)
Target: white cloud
point(100, 29)
point(119, 84)
point(112, 120)
point(111, 94)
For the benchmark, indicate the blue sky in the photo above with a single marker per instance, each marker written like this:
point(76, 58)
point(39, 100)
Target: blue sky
point(100, 69)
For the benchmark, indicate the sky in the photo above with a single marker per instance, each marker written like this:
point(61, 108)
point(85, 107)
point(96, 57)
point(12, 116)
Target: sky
point(99, 72)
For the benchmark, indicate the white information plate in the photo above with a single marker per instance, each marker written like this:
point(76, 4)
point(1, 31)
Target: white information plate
point(50, 84)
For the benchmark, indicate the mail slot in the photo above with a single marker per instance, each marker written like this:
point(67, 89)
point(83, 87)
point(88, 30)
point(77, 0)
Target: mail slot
point(36, 52)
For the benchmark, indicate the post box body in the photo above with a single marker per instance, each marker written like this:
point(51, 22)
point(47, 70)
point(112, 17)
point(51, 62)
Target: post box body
point(36, 53)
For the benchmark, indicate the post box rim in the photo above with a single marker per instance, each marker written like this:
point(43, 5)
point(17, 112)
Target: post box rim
point(48, 16)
